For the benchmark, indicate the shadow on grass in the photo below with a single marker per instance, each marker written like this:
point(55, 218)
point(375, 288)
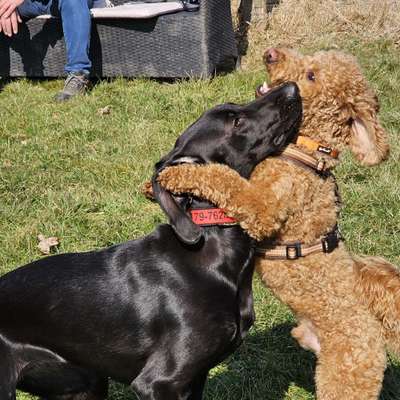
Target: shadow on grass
point(268, 366)
point(265, 367)
point(391, 383)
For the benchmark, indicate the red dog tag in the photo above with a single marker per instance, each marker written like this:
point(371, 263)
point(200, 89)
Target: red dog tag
point(211, 216)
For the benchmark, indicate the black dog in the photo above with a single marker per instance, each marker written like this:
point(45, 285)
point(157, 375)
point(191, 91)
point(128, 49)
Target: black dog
point(158, 312)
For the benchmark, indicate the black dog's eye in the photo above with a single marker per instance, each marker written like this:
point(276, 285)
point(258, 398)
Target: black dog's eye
point(237, 122)
point(311, 76)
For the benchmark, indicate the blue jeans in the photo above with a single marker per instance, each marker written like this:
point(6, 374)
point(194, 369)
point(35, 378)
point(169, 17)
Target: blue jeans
point(76, 23)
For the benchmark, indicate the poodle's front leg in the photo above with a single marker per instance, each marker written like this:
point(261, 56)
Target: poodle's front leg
point(350, 367)
point(215, 182)
point(257, 209)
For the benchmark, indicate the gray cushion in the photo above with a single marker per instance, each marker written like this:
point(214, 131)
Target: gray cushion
point(135, 10)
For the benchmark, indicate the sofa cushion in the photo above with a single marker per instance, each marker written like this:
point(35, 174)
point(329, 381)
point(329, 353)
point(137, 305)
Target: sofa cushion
point(138, 10)
point(134, 10)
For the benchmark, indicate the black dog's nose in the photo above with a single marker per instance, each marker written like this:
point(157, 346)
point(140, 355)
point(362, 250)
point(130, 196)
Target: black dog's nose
point(291, 90)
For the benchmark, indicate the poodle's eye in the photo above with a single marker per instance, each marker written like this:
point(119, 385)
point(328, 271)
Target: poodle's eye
point(237, 122)
point(311, 76)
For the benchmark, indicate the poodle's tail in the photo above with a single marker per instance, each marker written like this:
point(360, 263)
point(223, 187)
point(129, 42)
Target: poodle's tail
point(378, 285)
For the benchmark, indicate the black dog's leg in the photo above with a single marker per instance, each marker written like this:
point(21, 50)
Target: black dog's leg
point(158, 388)
point(165, 378)
point(6, 392)
point(198, 387)
point(8, 374)
point(153, 385)
point(7, 388)
point(62, 381)
point(98, 392)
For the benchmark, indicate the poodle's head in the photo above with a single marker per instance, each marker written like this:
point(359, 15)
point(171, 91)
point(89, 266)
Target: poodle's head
point(339, 107)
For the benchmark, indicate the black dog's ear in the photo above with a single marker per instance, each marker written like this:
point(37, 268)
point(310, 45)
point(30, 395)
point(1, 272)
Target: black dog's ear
point(185, 229)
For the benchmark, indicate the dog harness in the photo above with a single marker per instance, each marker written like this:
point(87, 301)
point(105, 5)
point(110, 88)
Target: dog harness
point(295, 250)
point(329, 242)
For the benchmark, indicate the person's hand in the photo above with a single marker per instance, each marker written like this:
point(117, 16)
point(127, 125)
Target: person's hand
point(9, 25)
point(7, 7)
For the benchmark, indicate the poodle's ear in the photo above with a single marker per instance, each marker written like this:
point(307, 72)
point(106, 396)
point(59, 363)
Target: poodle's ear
point(369, 141)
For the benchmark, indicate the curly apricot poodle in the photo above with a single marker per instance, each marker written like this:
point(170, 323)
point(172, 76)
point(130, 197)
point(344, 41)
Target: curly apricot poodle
point(348, 307)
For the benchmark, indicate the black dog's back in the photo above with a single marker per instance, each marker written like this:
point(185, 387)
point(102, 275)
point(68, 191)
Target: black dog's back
point(119, 303)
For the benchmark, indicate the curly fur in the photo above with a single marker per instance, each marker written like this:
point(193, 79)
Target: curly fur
point(348, 307)
point(339, 106)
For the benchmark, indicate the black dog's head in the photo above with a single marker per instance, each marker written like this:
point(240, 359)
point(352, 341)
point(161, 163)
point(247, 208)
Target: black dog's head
point(239, 136)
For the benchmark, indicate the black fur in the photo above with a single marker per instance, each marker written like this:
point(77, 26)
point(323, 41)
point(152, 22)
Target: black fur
point(157, 312)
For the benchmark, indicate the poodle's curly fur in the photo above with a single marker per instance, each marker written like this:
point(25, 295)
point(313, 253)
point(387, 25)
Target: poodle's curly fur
point(348, 307)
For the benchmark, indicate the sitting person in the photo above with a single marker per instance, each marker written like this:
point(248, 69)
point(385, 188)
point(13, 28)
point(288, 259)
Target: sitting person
point(76, 23)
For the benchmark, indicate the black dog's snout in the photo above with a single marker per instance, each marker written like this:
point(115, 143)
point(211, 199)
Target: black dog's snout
point(291, 91)
point(285, 94)
point(290, 99)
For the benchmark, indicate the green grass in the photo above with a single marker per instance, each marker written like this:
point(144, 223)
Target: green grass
point(67, 171)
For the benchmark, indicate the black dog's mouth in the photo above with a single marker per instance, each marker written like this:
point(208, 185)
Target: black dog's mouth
point(263, 89)
point(182, 199)
point(179, 161)
point(185, 160)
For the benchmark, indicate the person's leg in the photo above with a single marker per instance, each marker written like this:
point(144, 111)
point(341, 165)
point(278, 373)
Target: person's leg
point(31, 9)
point(76, 22)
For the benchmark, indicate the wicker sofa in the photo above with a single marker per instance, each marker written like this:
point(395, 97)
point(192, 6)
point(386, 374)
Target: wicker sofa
point(175, 45)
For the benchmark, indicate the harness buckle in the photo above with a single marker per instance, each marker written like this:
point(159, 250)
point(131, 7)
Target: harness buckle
point(321, 165)
point(330, 242)
point(293, 251)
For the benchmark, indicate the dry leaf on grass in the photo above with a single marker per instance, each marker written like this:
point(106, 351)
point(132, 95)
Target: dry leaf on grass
point(104, 111)
point(45, 244)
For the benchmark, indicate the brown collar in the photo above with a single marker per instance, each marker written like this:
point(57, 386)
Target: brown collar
point(317, 165)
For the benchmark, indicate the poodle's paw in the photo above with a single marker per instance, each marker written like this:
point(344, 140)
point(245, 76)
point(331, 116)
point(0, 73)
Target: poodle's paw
point(147, 190)
point(178, 178)
point(306, 336)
